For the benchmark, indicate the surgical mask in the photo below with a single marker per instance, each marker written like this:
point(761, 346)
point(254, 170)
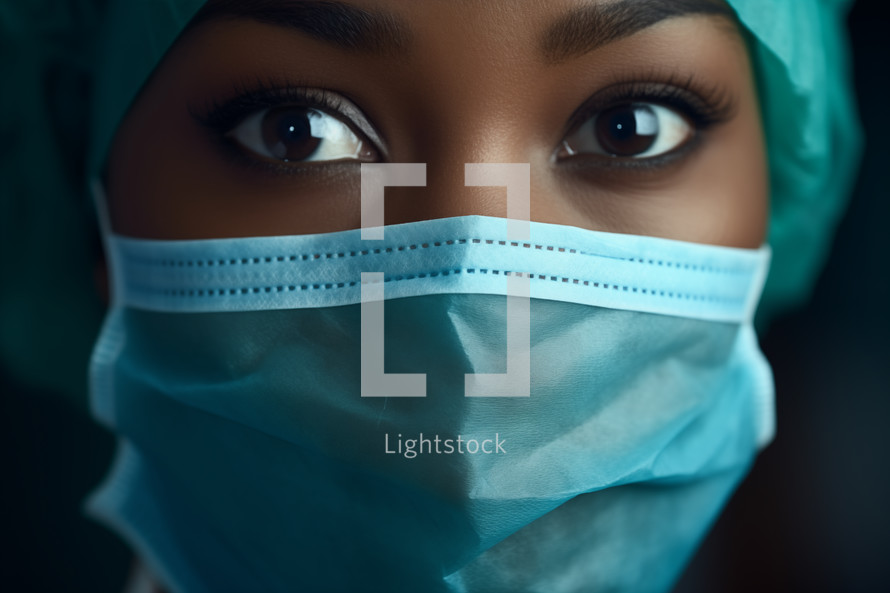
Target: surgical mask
point(256, 456)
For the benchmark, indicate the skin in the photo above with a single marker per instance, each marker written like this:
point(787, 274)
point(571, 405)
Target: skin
point(474, 88)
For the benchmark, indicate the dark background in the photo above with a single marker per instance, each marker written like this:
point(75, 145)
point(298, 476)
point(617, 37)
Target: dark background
point(812, 516)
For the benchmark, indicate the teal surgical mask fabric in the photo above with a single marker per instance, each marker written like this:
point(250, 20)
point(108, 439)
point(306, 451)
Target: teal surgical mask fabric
point(249, 459)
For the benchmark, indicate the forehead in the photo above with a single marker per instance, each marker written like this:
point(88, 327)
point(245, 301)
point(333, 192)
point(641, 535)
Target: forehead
point(556, 29)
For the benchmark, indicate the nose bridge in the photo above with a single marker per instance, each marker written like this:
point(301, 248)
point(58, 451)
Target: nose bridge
point(472, 140)
point(444, 196)
point(469, 111)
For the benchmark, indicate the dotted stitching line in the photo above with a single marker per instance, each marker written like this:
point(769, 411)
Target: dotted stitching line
point(406, 277)
point(683, 266)
point(221, 262)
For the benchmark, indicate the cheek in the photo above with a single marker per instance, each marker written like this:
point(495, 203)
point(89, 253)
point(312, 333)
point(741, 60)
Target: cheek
point(744, 189)
point(731, 188)
point(155, 180)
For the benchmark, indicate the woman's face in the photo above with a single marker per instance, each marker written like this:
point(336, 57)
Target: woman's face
point(635, 117)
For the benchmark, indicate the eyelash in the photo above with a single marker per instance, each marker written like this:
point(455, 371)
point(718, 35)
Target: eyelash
point(705, 107)
point(221, 116)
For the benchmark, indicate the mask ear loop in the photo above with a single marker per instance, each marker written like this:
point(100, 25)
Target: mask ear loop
point(100, 206)
point(112, 337)
point(758, 284)
point(764, 398)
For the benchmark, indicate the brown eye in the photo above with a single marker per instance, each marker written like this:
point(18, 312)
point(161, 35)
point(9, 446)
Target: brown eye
point(293, 133)
point(287, 133)
point(627, 130)
point(633, 130)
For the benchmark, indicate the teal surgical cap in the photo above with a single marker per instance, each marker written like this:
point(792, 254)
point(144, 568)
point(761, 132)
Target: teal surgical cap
point(48, 315)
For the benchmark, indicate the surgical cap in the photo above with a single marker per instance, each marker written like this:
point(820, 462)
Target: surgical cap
point(798, 50)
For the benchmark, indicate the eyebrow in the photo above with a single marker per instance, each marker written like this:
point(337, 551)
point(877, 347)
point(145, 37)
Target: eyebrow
point(580, 31)
point(591, 26)
point(337, 23)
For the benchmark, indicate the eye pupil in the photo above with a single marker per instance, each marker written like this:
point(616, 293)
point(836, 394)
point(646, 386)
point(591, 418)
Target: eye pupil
point(287, 133)
point(627, 130)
